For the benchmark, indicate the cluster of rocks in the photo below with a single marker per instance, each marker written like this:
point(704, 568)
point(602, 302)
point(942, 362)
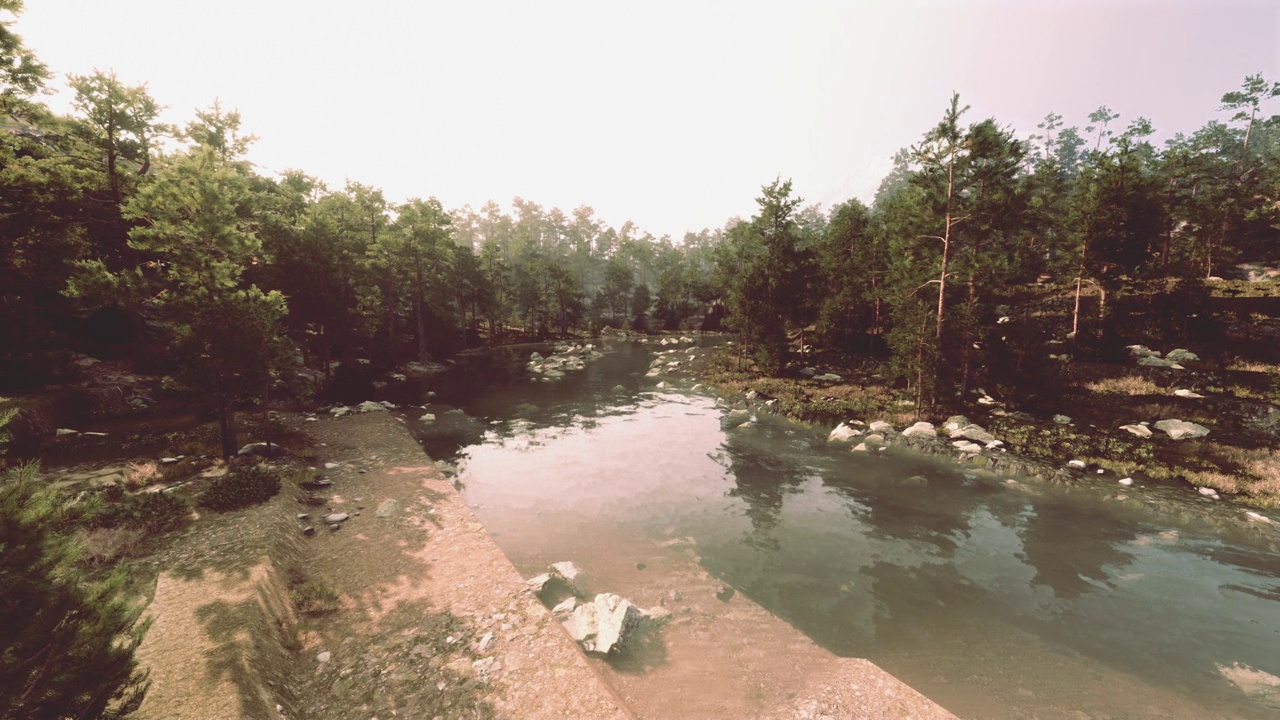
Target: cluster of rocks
point(681, 340)
point(958, 439)
point(601, 624)
point(669, 361)
point(1175, 429)
point(813, 374)
point(1175, 359)
point(365, 407)
point(565, 359)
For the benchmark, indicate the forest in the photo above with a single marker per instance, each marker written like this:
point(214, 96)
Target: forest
point(987, 263)
point(124, 237)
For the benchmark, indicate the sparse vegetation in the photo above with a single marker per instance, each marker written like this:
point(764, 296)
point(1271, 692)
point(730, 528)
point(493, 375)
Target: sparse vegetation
point(314, 597)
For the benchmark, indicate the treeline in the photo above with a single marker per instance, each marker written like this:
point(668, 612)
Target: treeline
point(971, 215)
point(122, 234)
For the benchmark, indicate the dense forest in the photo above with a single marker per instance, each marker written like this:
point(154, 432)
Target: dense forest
point(124, 237)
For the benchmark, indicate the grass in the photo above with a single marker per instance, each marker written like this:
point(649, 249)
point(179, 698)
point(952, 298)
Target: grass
point(141, 474)
point(314, 596)
point(103, 547)
point(1129, 385)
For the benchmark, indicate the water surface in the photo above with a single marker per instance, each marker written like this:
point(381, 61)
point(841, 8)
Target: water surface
point(996, 599)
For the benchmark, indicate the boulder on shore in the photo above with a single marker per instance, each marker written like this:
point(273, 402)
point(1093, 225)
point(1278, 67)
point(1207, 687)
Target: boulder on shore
point(842, 433)
point(1141, 431)
point(1179, 429)
point(262, 449)
point(921, 429)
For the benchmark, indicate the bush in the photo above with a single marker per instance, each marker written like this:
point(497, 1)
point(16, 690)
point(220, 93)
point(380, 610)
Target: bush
point(241, 488)
point(157, 512)
point(152, 513)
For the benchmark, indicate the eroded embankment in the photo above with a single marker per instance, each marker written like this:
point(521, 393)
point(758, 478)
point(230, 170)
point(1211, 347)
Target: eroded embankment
point(222, 635)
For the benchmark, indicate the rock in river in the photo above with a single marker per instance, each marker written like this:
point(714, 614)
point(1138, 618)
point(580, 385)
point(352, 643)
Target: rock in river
point(842, 433)
point(602, 625)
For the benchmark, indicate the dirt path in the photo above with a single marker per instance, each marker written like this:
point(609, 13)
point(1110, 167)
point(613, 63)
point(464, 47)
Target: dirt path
point(435, 621)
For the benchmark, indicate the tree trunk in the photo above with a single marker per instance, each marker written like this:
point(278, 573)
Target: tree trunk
point(326, 355)
point(1075, 313)
point(419, 290)
point(227, 428)
point(946, 248)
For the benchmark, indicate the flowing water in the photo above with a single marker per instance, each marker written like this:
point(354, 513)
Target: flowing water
point(996, 599)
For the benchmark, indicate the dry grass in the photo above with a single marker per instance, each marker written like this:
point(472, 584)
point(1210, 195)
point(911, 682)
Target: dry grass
point(1251, 472)
point(104, 546)
point(1240, 365)
point(139, 475)
point(1165, 410)
point(1125, 385)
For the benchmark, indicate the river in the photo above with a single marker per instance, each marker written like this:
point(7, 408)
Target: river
point(996, 599)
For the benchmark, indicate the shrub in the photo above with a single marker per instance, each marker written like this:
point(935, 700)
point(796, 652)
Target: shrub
point(314, 597)
point(241, 488)
point(66, 644)
point(157, 512)
point(137, 475)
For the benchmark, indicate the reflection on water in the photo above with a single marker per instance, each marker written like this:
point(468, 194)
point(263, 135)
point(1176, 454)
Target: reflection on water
point(997, 599)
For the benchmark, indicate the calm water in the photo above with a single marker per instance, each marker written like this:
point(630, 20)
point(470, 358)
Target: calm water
point(995, 599)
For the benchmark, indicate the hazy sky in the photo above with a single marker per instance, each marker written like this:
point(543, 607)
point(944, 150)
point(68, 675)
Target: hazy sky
point(671, 114)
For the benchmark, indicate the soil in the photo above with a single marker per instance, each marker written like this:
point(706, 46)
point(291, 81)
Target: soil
point(435, 621)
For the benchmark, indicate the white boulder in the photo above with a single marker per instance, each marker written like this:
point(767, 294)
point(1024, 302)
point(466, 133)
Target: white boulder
point(1141, 431)
point(602, 625)
point(1179, 429)
point(842, 433)
point(921, 429)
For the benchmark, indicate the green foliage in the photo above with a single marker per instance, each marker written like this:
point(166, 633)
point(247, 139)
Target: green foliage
point(151, 512)
point(241, 488)
point(66, 644)
point(766, 291)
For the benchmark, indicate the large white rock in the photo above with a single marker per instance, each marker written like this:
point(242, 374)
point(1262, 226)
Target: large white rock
point(566, 570)
point(955, 422)
point(923, 429)
point(975, 433)
point(602, 625)
point(880, 426)
point(1181, 355)
point(1187, 394)
point(842, 433)
point(1179, 429)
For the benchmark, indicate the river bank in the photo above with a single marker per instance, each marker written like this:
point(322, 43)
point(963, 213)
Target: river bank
point(1104, 421)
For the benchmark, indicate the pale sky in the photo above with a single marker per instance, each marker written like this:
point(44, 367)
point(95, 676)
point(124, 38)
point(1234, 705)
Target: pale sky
point(671, 114)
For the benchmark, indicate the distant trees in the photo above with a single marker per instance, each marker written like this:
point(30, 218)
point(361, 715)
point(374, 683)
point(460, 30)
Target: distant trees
point(767, 290)
point(239, 276)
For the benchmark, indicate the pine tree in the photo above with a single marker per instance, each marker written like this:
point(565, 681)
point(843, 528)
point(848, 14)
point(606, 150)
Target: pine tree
point(66, 644)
